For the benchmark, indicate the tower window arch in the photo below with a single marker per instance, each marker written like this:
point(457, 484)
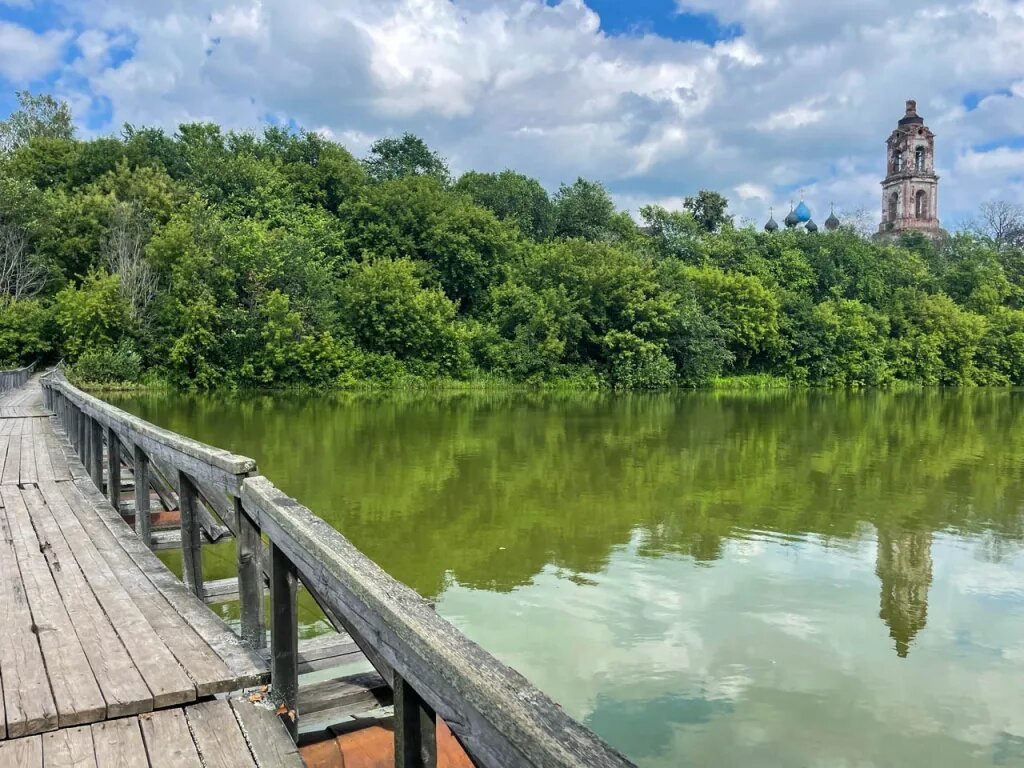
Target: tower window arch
point(919, 159)
point(894, 206)
point(921, 204)
point(897, 161)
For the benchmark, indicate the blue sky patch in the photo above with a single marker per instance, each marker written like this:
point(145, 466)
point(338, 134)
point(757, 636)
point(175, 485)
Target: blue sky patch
point(660, 17)
point(1006, 142)
point(974, 98)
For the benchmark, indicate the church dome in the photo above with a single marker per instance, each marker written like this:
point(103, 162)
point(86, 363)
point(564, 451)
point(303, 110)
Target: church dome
point(803, 213)
point(810, 226)
point(771, 226)
point(832, 223)
point(791, 220)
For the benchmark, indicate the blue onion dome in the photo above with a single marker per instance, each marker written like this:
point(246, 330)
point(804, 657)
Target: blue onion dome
point(803, 213)
point(810, 226)
point(832, 223)
point(771, 226)
point(791, 220)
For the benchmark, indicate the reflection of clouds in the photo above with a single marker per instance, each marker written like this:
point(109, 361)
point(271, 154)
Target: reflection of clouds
point(992, 580)
point(773, 658)
point(792, 624)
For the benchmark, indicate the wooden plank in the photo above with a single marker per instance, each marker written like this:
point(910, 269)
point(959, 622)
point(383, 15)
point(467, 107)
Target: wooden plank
point(22, 753)
point(5, 444)
point(246, 667)
point(191, 543)
point(166, 681)
point(70, 748)
point(497, 715)
point(166, 734)
point(123, 688)
point(218, 735)
point(44, 467)
point(268, 740)
point(12, 466)
point(61, 471)
point(344, 696)
point(27, 699)
point(326, 652)
point(201, 662)
point(75, 690)
point(118, 744)
point(27, 472)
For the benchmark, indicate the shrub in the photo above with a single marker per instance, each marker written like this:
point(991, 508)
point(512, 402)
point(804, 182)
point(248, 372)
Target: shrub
point(108, 365)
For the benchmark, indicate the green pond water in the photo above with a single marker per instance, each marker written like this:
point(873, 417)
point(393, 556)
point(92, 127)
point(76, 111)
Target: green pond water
point(793, 579)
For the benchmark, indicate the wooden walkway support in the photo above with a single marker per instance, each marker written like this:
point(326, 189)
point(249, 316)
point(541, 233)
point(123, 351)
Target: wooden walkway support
point(431, 669)
point(105, 657)
point(13, 379)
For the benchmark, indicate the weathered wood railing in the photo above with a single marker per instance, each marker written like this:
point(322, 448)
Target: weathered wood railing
point(14, 378)
point(432, 668)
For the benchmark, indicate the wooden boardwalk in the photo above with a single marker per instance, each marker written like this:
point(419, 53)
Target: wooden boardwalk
point(88, 573)
point(105, 657)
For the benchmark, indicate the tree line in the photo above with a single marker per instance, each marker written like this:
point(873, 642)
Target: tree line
point(213, 259)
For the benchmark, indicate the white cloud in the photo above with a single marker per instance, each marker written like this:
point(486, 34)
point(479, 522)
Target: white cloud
point(25, 55)
point(804, 96)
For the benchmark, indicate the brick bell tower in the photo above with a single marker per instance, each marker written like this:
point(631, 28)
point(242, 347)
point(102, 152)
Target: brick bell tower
point(910, 190)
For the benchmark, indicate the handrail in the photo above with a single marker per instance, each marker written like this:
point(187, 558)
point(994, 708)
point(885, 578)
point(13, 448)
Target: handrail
point(499, 717)
point(15, 377)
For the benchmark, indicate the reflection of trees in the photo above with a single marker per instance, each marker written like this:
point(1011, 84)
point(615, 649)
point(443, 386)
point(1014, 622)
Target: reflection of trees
point(488, 489)
point(904, 566)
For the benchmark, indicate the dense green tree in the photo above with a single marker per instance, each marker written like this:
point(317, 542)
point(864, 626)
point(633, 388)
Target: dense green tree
point(390, 311)
point(216, 258)
point(583, 209)
point(934, 340)
point(511, 196)
point(91, 315)
point(37, 116)
point(408, 155)
point(708, 210)
point(26, 334)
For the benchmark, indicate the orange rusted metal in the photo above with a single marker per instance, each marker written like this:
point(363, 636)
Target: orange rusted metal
point(374, 747)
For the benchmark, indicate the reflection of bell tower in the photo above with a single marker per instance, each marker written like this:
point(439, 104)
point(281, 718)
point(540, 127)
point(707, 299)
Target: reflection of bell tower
point(904, 565)
point(910, 190)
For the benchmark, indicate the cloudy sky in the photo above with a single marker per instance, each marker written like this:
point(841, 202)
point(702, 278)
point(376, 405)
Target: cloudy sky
point(758, 99)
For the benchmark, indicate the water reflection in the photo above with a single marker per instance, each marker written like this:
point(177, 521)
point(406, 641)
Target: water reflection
point(904, 566)
point(715, 571)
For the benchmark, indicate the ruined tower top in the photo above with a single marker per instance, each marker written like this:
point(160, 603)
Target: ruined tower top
point(910, 187)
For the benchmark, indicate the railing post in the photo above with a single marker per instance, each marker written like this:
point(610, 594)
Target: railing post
point(191, 543)
point(250, 578)
point(415, 728)
point(83, 443)
point(142, 504)
point(284, 638)
point(114, 469)
point(96, 454)
point(86, 441)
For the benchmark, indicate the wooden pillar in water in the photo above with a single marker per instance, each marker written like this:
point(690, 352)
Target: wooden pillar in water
point(284, 638)
point(142, 504)
point(113, 469)
point(96, 454)
point(250, 578)
point(191, 541)
point(415, 728)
